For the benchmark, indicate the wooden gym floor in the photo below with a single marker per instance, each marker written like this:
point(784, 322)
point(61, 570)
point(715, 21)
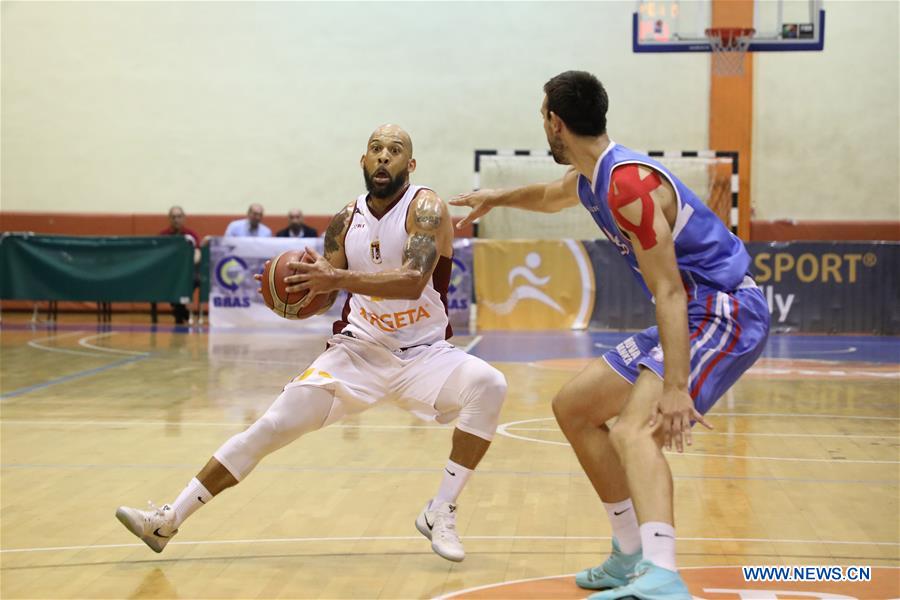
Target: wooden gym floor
point(802, 469)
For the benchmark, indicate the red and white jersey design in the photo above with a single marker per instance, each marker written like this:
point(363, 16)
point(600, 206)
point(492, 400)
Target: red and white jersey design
point(376, 244)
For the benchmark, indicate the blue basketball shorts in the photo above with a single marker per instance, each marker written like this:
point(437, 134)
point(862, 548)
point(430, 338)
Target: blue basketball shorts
point(728, 332)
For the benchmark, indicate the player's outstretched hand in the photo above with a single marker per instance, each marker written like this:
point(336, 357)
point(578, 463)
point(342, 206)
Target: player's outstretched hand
point(480, 202)
point(675, 411)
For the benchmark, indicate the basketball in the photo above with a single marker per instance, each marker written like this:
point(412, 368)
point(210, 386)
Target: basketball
point(283, 304)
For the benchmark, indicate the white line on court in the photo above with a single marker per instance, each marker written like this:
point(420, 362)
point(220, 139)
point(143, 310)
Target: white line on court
point(36, 344)
point(745, 434)
point(488, 586)
point(802, 416)
point(77, 423)
point(296, 364)
point(510, 427)
point(418, 538)
point(84, 342)
point(503, 429)
point(468, 347)
point(847, 350)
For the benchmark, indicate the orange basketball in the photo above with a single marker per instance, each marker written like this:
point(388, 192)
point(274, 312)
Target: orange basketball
point(282, 303)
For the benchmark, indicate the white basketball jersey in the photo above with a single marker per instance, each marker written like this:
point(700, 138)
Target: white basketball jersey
point(374, 245)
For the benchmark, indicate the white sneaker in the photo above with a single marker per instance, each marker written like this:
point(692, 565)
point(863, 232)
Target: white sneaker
point(155, 527)
point(437, 522)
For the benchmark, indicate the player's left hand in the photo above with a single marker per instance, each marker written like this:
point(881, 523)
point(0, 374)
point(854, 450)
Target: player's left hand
point(675, 411)
point(258, 277)
point(318, 276)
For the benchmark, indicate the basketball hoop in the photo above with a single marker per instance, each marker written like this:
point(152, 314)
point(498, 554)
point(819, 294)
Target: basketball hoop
point(729, 44)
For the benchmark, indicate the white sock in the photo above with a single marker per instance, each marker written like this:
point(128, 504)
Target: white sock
point(189, 500)
point(624, 525)
point(455, 478)
point(658, 541)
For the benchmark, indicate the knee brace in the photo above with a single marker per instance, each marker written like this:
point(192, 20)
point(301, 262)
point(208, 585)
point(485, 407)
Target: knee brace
point(478, 391)
point(297, 411)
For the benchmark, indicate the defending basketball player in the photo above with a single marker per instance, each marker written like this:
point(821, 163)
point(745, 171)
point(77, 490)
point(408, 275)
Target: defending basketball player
point(391, 250)
point(712, 319)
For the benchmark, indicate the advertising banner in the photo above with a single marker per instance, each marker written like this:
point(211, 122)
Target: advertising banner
point(620, 302)
point(814, 287)
point(234, 302)
point(830, 287)
point(233, 299)
point(810, 287)
point(533, 284)
point(459, 294)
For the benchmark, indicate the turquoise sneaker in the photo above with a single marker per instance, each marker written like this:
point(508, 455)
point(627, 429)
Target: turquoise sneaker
point(614, 572)
point(649, 583)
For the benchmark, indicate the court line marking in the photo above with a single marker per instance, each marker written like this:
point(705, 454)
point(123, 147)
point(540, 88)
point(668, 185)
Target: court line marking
point(803, 416)
point(449, 595)
point(418, 538)
point(211, 359)
point(36, 344)
point(430, 470)
point(503, 429)
point(83, 342)
point(847, 350)
point(468, 347)
point(67, 378)
point(229, 424)
point(736, 434)
point(77, 423)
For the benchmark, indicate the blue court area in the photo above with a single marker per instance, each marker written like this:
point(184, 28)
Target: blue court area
point(503, 346)
point(520, 346)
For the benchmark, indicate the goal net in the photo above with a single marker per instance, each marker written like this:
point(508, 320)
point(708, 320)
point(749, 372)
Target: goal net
point(711, 175)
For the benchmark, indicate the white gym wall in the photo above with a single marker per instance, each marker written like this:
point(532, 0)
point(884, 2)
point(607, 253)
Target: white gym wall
point(133, 106)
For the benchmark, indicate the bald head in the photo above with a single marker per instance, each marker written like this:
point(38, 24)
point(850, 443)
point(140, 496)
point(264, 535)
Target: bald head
point(393, 133)
point(255, 214)
point(387, 162)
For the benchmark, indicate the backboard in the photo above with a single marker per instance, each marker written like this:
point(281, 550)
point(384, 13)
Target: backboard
point(679, 26)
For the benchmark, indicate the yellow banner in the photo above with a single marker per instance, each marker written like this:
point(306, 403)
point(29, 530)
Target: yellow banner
point(533, 284)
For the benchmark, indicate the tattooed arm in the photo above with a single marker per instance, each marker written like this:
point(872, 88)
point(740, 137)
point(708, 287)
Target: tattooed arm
point(335, 235)
point(335, 257)
point(430, 235)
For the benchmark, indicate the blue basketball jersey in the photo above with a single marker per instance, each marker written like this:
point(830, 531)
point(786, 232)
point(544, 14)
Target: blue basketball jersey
point(706, 251)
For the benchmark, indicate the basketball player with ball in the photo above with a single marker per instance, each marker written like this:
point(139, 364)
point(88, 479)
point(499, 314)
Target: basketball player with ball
point(391, 249)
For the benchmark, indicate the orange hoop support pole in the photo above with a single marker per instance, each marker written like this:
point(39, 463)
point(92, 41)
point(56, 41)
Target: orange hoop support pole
point(731, 107)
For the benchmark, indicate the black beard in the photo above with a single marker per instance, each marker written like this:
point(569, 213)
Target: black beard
point(383, 191)
point(559, 152)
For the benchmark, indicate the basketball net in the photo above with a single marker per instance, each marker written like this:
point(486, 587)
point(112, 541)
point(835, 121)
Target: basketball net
point(729, 45)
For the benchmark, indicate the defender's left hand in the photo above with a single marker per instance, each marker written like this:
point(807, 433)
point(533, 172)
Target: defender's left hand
point(676, 410)
point(318, 276)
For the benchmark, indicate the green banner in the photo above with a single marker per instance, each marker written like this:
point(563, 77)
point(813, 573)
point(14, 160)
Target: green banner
point(102, 269)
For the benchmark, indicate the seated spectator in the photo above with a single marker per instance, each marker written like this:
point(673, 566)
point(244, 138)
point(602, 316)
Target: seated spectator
point(176, 227)
point(251, 226)
point(296, 227)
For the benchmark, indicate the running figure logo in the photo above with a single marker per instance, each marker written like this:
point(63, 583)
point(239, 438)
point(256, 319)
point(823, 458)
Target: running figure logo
point(533, 284)
point(525, 291)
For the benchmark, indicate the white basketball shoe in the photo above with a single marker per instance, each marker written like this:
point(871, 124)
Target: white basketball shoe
point(437, 522)
point(155, 527)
